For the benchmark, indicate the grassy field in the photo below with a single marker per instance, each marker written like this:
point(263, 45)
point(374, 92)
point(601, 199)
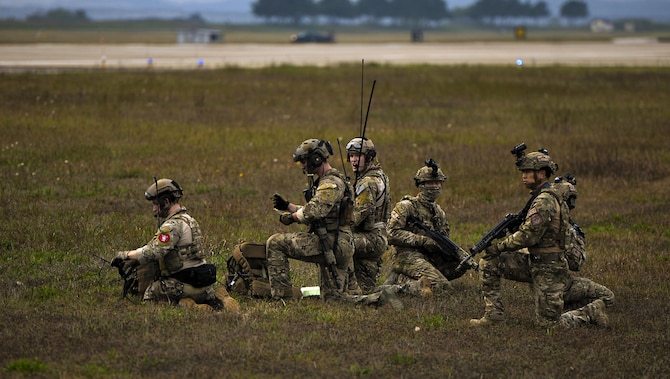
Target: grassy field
point(165, 32)
point(80, 148)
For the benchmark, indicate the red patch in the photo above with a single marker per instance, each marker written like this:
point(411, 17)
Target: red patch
point(164, 238)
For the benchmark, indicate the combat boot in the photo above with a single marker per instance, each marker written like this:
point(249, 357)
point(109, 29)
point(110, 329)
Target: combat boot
point(291, 293)
point(596, 313)
point(489, 319)
point(425, 287)
point(421, 288)
point(187, 302)
point(388, 296)
point(223, 300)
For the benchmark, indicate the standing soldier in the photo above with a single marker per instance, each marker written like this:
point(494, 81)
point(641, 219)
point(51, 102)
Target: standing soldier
point(418, 260)
point(329, 241)
point(543, 232)
point(181, 275)
point(372, 208)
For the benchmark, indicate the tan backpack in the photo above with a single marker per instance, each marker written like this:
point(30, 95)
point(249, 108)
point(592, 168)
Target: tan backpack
point(247, 270)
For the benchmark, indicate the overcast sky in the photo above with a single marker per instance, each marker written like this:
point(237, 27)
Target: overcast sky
point(240, 10)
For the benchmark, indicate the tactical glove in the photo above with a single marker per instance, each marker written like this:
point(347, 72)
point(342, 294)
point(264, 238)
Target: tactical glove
point(286, 218)
point(122, 255)
point(279, 202)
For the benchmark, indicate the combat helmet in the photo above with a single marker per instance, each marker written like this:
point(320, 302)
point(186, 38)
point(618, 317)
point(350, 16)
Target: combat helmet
point(431, 172)
point(566, 186)
point(536, 160)
point(163, 188)
point(313, 152)
point(361, 145)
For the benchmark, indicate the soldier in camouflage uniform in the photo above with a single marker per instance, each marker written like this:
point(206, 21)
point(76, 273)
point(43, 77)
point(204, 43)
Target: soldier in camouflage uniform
point(372, 208)
point(580, 291)
point(329, 241)
point(182, 276)
point(543, 233)
point(418, 259)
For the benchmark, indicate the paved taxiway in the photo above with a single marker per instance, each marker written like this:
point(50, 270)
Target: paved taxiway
point(629, 52)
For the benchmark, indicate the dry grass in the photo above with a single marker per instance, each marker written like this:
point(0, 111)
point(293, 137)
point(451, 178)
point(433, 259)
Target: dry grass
point(80, 148)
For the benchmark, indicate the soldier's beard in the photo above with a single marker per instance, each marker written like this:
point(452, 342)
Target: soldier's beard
point(429, 194)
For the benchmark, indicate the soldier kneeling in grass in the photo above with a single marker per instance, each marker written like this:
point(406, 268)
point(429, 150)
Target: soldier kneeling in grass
point(171, 267)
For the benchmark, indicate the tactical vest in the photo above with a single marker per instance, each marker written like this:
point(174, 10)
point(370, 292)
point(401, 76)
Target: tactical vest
point(340, 215)
point(435, 218)
point(382, 201)
point(556, 235)
point(174, 260)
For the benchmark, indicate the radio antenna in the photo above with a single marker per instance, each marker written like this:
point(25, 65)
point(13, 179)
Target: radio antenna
point(360, 129)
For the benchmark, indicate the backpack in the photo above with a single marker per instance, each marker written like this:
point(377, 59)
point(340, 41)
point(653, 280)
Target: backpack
point(247, 270)
point(575, 247)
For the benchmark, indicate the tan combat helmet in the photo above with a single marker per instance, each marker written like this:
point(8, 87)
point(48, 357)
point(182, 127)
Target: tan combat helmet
point(163, 188)
point(363, 146)
point(313, 152)
point(431, 172)
point(536, 160)
point(566, 186)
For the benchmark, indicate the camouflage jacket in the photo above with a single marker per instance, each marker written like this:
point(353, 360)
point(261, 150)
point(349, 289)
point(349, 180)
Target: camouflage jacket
point(372, 204)
point(403, 235)
point(329, 203)
point(178, 241)
point(544, 228)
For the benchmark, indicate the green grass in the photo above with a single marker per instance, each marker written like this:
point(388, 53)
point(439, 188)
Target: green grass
point(80, 148)
point(165, 32)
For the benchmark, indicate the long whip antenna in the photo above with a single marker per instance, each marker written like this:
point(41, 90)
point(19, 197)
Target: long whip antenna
point(360, 128)
point(344, 166)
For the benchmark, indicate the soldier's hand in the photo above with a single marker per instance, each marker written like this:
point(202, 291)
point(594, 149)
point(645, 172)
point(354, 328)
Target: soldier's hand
point(286, 218)
point(116, 262)
point(491, 252)
point(122, 255)
point(279, 202)
point(431, 246)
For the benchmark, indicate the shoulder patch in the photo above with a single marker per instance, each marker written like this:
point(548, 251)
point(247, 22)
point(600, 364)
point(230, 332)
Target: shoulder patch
point(360, 189)
point(535, 216)
point(326, 186)
point(164, 238)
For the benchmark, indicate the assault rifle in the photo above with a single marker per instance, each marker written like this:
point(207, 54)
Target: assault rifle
point(126, 272)
point(510, 223)
point(449, 247)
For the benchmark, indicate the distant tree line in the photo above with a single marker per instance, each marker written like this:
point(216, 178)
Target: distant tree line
point(412, 12)
point(59, 15)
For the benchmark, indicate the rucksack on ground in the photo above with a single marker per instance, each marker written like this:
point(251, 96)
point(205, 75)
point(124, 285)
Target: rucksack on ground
point(247, 270)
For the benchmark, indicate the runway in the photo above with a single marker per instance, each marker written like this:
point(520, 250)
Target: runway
point(38, 57)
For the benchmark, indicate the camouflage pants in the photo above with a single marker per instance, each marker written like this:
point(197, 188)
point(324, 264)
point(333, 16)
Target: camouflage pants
point(578, 292)
point(549, 283)
point(552, 286)
point(368, 250)
point(172, 290)
point(306, 247)
point(412, 265)
point(582, 291)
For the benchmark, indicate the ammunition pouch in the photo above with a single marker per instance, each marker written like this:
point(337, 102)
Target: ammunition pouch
point(198, 276)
